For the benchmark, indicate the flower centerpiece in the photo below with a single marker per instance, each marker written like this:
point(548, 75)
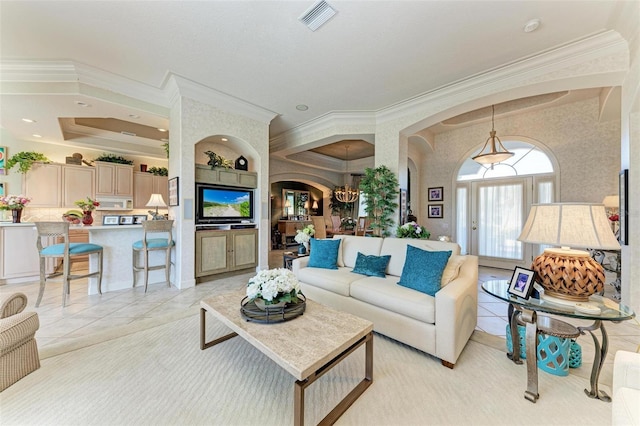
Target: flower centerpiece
point(303, 236)
point(412, 230)
point(87, 205)
point(273, 287)
point(347, 223)
point(15, 203)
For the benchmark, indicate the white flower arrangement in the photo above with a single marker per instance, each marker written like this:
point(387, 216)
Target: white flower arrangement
point(304, 235)
point(274, 286)
point(412, 230)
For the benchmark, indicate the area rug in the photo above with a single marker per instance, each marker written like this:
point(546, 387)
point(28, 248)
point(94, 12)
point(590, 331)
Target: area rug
point(158, 376)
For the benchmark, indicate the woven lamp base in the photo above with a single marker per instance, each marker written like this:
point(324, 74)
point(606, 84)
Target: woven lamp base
point(569, 274)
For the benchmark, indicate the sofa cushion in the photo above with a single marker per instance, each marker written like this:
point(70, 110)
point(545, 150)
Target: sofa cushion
point(452, 269)
point(351, 245)
point(397, 247)
point(324, 253)
point(385, 293)
point(328, 279)
point(423, 269)
point(371, 265)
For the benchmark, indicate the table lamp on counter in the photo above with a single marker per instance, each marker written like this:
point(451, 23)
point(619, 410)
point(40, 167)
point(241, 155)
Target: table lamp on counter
point(156, 201)
point(568, 275)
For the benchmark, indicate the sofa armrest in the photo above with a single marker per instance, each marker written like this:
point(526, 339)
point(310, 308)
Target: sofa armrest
point(457, 311)
point(626, 370)
point(17, 329)
point(13, 304)
point(298, 264)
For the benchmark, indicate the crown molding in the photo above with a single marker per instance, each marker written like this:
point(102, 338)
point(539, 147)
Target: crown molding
point(179, 86)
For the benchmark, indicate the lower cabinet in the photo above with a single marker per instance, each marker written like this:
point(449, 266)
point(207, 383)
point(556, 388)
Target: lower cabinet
point(219, 251)
point(18, 253)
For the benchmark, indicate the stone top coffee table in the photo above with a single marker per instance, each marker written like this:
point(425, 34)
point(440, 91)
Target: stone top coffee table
point(306, 347)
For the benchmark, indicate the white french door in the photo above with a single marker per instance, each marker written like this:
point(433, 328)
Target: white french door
point(498, 211)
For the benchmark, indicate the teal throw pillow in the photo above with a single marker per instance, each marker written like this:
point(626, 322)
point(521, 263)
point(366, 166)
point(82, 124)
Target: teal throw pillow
point(324, 253)
point(371, 266)
point(422, 270)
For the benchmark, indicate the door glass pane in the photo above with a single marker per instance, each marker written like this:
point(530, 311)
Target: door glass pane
point(500, 221)
point(461, 219)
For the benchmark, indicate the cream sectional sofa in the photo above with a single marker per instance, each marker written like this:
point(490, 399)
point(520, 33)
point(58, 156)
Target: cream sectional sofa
point(440, 325)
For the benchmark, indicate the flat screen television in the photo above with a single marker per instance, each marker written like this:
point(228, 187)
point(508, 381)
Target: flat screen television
point(223, 204)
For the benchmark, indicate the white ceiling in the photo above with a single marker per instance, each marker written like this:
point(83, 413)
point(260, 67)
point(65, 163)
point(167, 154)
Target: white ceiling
point(371, 55)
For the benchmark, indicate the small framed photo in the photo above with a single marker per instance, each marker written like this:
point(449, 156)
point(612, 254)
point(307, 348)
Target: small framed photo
point(435, 194)
point(174, 192)
point(3, 189)
point(139, 218)
point(126, 220)
point(521, 284)
point(435, 211)
point(110, 220)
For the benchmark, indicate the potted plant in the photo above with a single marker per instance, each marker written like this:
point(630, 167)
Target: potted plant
point(112, 158)
point(25, 160)
point(412, 230)
point(380, 187)
point(158, 171)
point(273, 287)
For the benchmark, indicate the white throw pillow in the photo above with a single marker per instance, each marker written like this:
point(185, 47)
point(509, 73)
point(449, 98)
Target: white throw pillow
point(452, 269)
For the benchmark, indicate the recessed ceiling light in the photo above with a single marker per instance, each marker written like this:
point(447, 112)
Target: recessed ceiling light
point(28, 120)
point(82, 104)
point(36, 136)
point(531, 25)
point(162, 130)
point(136, 116)
point(224, 139)
point(302, 107)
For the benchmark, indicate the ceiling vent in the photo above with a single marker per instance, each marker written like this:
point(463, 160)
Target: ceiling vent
point(317, 15)
point(128, 133)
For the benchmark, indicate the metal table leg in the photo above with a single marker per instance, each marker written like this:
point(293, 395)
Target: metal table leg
point(598, 359)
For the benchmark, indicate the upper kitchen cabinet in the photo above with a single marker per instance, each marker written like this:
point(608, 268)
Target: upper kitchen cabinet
point(145, 184)
point(114, 179)
point(58, 185)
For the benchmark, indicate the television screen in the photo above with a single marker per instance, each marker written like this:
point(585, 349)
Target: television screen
point(220, 204)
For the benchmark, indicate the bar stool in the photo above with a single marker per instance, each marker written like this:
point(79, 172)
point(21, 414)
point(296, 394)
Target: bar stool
point(147, 245)
point(66, 251)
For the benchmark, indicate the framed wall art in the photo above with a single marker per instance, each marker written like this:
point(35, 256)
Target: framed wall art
point(403, 206)
point(3, 189)
point(436, 194)
point(624, 207)
point(435, 211)
point(3, 160)
point(173, 192)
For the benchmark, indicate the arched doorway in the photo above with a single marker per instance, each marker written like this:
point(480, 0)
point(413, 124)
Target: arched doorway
point(493, 201)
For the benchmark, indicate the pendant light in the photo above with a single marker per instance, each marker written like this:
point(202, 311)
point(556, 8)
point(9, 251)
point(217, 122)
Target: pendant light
point(497, 153)
point(346, 194)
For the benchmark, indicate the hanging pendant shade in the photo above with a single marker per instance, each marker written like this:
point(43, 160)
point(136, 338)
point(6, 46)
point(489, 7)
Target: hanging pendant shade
point(497, 152)
point(346, 194)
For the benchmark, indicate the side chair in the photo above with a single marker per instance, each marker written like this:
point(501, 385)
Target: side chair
point(147, 244)
point(52, 231)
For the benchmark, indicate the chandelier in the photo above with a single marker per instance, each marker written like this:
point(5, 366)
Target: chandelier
point(346, 194)
point(497, 154)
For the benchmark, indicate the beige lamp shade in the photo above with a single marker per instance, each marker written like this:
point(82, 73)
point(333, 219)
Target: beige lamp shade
point(565, 273)
point(611, 201)
point(156, 201)
point(315, 205)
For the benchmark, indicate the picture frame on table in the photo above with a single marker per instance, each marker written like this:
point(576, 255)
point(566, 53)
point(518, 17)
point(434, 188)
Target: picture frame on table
point(3, 189)
point(436, 193)
point(435, 211)
point(623, 215)
point(139, 218)
point(109, 220)
point(126, 220)
point(174, 192)
point(521, 283)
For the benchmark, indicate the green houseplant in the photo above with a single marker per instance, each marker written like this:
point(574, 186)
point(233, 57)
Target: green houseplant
point(380, 187)
point(112, 158)
point(25, 160)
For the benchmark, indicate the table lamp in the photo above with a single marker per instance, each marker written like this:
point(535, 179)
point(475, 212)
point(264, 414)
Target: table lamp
point(569, 275)
point(156, 201)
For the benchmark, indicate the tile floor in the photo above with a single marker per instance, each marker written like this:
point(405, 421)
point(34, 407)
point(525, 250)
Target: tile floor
point(85, 314)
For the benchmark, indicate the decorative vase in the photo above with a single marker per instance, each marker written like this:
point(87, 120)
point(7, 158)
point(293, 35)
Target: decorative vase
point(16, 214)
point(260, 304)
point(87, 218)
point(302, 249)
point(306, 247)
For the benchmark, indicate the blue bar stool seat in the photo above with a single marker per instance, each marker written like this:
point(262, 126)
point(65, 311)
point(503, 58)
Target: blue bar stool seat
point(157, 237)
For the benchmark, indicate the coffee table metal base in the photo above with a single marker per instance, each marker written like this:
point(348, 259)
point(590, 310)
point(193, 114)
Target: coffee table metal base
point(301, 385)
